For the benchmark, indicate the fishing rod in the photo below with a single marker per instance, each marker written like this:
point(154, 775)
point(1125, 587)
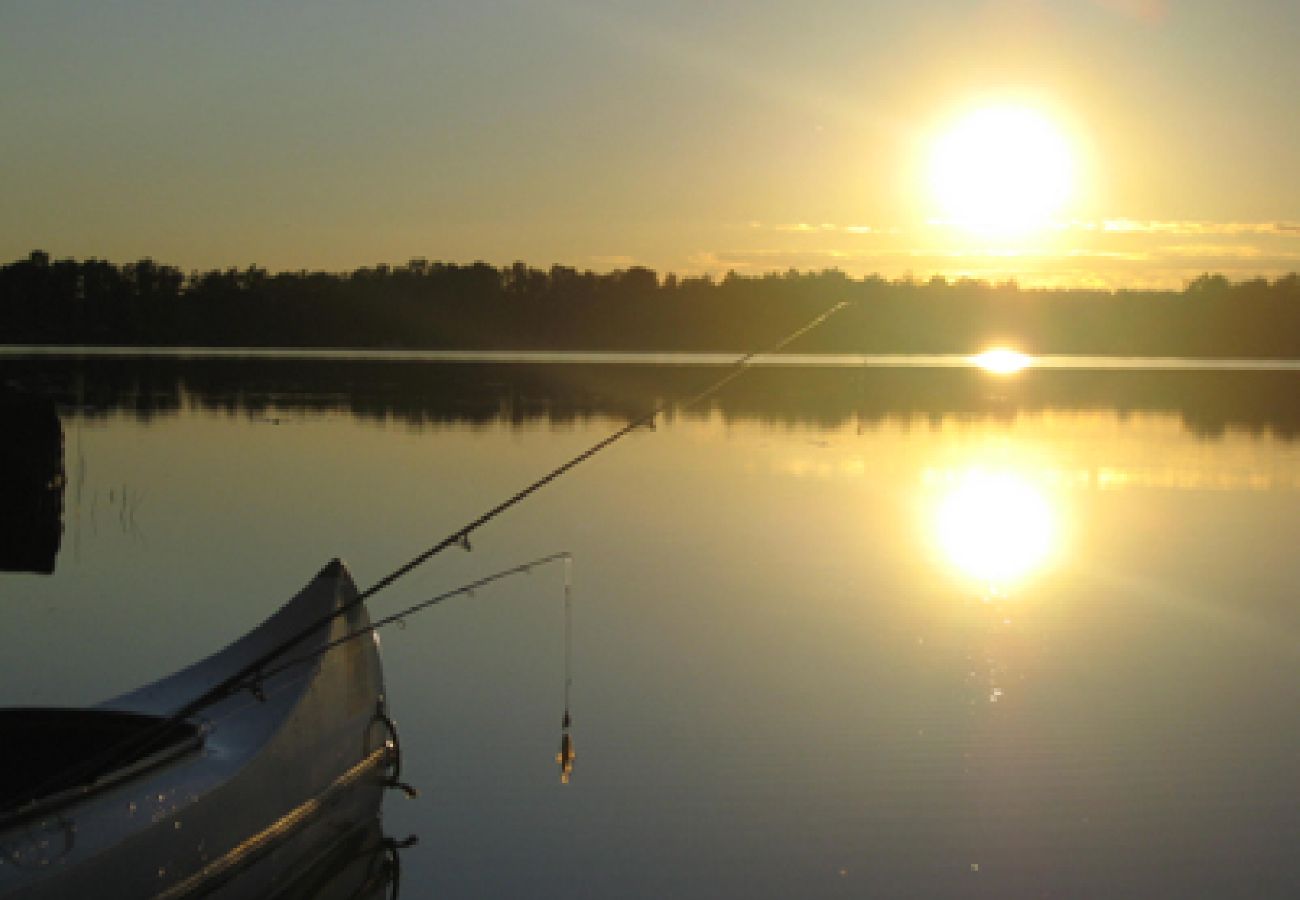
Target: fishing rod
point(250, 675)
point(460, 537)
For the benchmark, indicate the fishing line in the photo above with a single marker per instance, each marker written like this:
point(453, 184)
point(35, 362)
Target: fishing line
point(400, 615)
point(565, 757)
point(568, 634)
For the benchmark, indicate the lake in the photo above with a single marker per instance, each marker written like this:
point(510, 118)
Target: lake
point(846, 630)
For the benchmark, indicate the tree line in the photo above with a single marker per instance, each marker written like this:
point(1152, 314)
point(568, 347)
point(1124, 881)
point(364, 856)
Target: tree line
point(440, 305)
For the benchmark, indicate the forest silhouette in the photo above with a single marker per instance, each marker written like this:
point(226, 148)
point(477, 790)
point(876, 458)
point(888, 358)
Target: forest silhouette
point(439, 305)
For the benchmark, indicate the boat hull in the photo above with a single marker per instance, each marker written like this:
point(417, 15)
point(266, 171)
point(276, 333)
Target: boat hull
point(304, 758)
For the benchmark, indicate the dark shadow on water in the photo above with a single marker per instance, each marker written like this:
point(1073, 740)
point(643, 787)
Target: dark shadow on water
point(31, 483)
point(1210, 403)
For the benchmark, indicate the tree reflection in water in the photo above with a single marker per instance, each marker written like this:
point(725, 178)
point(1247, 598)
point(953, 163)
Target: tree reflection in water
point(424, 393)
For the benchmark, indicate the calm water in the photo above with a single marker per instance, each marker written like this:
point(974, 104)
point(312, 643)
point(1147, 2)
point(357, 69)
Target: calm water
point(842, 633)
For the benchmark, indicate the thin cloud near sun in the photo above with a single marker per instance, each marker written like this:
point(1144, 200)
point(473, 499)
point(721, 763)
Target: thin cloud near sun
point(1191, 226)
point(1114, 252)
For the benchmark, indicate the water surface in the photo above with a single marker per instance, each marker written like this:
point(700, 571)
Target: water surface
point(837, 633)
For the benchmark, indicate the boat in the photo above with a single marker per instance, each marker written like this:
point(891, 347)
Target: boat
point(126, 799)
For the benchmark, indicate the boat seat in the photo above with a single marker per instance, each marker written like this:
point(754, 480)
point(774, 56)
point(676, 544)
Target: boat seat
point(46, 751)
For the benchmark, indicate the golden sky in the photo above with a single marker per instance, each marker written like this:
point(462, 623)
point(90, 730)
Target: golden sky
point(687, 137)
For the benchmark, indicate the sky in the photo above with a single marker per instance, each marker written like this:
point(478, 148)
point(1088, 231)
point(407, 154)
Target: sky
point(688, 137)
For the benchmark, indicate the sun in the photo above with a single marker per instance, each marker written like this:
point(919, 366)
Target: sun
point(1002, 170)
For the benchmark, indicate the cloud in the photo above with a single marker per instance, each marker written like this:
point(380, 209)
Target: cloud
point(821, 228)
point(1108, 254)
point(1190, 227)
point(1167, 267)
point(1212, 251)
point(803, 227)
point(1194, 227)
point(1109, 226)
point(1111, 253)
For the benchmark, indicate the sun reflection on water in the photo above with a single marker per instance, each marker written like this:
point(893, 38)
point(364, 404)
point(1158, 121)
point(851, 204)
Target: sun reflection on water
point(1002, 361)
point(995, 525)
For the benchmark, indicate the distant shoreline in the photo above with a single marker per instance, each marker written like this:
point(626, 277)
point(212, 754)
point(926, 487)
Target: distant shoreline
point(1057, 362)
point(473, 309)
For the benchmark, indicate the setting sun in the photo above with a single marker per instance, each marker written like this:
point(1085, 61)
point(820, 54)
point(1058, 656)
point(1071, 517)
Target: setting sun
point(1001, 170)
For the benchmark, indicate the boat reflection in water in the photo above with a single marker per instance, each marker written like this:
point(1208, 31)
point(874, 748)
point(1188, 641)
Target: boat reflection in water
point(31, 485)
point(363, 865)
